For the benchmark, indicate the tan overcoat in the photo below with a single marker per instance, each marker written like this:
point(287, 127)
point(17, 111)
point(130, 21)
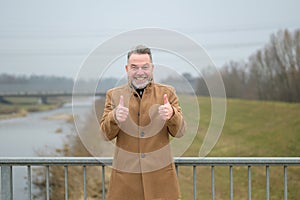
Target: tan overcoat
point(143, 167)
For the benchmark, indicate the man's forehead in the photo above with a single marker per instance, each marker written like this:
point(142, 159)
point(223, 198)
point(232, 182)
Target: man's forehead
point(139, 59)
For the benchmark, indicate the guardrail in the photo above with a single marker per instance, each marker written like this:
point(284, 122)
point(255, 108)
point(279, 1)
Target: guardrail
point(7, 164)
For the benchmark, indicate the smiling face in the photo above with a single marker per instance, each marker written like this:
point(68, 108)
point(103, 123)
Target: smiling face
point(139, 70)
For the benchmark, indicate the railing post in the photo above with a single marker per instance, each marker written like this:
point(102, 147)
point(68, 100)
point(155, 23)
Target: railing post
point(231, 182)
point(285, 182)
point(6, 183)
point(249, 183)
point(213, 182)
point(267, 183)
point(103, 182)
point(195, 181)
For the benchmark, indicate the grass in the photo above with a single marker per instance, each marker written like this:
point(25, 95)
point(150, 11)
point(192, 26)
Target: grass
point(252, 128)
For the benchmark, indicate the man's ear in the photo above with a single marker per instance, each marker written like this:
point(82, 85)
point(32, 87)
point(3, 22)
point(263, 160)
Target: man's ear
point(126, 67)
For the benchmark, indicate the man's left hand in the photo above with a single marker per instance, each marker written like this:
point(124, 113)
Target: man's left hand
point(166, 110)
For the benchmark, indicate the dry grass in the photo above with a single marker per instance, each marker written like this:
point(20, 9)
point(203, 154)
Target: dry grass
point(74, 147)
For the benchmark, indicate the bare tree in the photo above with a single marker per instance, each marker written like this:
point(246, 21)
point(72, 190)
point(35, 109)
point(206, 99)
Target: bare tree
point(272, 73)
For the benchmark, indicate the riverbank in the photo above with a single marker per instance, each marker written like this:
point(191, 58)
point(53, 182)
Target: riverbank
point(73, 147)
point(36, 134)
point(20, 107)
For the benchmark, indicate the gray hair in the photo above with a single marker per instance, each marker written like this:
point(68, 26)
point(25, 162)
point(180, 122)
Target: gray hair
point(140, 49)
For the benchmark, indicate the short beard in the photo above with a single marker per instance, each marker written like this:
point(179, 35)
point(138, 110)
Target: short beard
point(140, 86)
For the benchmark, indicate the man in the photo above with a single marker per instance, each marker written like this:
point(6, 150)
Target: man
point(141, 115)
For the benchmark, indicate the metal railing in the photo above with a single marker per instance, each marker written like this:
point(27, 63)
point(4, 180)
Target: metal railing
point(7, 165)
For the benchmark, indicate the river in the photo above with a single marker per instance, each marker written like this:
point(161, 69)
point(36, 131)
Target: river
point(32, 136)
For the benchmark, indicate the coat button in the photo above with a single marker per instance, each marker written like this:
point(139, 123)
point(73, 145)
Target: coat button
point(143, 155)
point(142, 134)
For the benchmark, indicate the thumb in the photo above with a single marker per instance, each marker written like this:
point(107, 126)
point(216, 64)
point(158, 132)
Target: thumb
point(166, 99)
point(121, 103)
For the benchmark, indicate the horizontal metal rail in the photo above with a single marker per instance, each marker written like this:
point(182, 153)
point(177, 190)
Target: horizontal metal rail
point(183, 161)
point(7, 164)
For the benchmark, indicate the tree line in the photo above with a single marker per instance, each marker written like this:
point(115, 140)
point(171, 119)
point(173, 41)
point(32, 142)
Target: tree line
point(271, 73)
point(10, 83)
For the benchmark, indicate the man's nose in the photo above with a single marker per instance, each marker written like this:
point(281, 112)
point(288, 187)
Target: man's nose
point(140, 71)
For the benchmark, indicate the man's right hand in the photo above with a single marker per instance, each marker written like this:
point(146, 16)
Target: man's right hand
point(121, 112)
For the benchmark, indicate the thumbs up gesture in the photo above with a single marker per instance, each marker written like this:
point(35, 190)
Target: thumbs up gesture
point(121, 112)
point(166, 110)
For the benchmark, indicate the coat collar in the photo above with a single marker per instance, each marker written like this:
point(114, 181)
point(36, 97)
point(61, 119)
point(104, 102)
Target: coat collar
point(148, 87)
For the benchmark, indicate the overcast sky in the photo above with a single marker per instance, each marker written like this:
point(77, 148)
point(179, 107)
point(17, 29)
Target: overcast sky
point(55, 37)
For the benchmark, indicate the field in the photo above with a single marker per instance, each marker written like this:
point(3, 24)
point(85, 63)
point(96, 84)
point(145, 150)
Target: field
point(251, 129)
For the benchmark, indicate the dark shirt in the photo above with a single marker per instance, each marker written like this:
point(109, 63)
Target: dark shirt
point(140, 92)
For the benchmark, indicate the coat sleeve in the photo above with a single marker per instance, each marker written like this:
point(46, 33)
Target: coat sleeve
point(176, 124)
point(108, 123)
